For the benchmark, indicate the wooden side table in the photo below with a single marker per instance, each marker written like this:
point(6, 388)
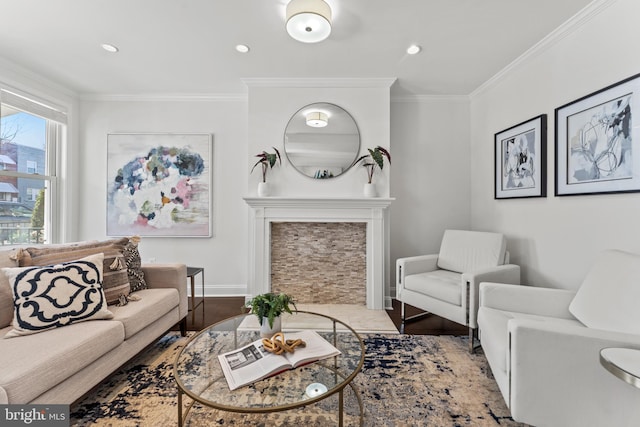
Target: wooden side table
point(192, 272)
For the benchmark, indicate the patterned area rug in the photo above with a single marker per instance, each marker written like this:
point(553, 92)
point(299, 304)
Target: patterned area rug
point(405, 381)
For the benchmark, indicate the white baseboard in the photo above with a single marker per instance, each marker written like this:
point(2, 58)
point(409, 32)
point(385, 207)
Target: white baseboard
point(226, 290)
point(388, 304)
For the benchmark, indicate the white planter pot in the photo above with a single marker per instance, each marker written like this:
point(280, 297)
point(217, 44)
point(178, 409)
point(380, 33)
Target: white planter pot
point(263, 189)
point(369, 190)
point(266, 331)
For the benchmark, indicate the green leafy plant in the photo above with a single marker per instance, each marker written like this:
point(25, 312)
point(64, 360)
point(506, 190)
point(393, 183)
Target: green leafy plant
point(270, 305)
point(267, 160)
point(374, 158)
point(37, 218)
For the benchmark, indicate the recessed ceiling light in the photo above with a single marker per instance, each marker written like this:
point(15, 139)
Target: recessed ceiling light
point(242, 48)
point(109, 47)
point(413, 49)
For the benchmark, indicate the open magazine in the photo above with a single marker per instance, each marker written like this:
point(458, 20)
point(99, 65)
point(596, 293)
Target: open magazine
point(253, 362)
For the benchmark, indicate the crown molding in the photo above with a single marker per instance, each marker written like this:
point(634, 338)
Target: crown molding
point(303, 82)
point(430, 98)
point(176, 97)
point(164, 97)
point(16, 77)
point(574, 23)
point(250, 82)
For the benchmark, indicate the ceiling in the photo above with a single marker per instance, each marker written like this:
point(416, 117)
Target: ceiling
point(188, 46)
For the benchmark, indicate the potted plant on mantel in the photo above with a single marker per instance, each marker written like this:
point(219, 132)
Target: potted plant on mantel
point(268, 308)
point(370, 161)
point(266, 161)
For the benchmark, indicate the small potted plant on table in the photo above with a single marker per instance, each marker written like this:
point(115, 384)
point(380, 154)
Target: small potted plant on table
point(268, 308)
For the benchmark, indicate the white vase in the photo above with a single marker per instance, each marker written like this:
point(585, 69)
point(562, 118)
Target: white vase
point(263, 189)
point(267, 331)
point(369, 190)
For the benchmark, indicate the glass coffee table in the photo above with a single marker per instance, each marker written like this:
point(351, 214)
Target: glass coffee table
point(199, 376)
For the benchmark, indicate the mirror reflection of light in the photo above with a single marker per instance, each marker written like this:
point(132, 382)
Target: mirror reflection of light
point(317, 119)
point(322, 153)
point(308, 111)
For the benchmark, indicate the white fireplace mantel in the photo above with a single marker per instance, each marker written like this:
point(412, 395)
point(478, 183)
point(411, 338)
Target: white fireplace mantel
point(372, 211)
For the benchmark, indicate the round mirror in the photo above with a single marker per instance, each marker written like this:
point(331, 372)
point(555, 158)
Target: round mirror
point(321, 140)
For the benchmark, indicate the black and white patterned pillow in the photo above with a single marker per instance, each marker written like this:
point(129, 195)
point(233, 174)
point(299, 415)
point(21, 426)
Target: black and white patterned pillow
point(57, 295)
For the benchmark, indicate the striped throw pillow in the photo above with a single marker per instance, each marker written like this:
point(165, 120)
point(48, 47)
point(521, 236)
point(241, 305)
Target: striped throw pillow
point(115, 276)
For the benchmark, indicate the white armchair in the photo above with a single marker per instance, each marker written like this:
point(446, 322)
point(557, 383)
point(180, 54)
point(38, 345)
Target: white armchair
point(543, 346)
point(446, 284)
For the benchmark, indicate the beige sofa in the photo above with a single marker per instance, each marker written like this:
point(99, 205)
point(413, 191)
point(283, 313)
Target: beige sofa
point(60, 365)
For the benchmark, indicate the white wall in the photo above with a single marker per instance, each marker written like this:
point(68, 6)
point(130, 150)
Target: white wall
point(224, 256)
point(430, 181)
point(555, 239)
point(427, 136)
point(271, 105)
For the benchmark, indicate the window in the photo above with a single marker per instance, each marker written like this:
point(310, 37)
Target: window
point(32, 166)
point(30, 131)
point(32, 194)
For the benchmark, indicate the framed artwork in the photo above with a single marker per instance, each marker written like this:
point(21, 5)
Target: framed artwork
point(521, 160)
point(595, 151)
point(159, 185)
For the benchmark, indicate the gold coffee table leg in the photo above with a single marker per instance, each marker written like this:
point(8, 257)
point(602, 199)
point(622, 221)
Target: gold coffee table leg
point(179, 407)
point(340, 408)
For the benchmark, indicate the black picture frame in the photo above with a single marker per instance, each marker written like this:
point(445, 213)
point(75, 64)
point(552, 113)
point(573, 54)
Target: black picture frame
point(595, 139)
point(520, 160)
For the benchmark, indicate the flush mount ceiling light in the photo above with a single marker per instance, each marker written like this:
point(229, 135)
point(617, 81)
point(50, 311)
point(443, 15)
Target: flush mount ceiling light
point(308, 21)
point(317, 119)
point(109, 47)
point(242, 48)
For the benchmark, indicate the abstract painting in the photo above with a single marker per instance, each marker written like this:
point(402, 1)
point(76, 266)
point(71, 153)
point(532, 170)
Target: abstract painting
point(520, 160)
point(596, 142)
point(159, 185)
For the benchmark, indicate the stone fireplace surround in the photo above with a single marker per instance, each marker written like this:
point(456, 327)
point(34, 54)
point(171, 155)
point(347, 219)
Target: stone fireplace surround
point(320, 262)
point(372, 211)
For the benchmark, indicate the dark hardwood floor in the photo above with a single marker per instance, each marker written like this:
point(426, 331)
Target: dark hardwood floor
point(215, 309)
point(428, 325)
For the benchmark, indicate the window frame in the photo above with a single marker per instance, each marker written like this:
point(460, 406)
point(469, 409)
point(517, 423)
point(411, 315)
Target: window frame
point(55, 135)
